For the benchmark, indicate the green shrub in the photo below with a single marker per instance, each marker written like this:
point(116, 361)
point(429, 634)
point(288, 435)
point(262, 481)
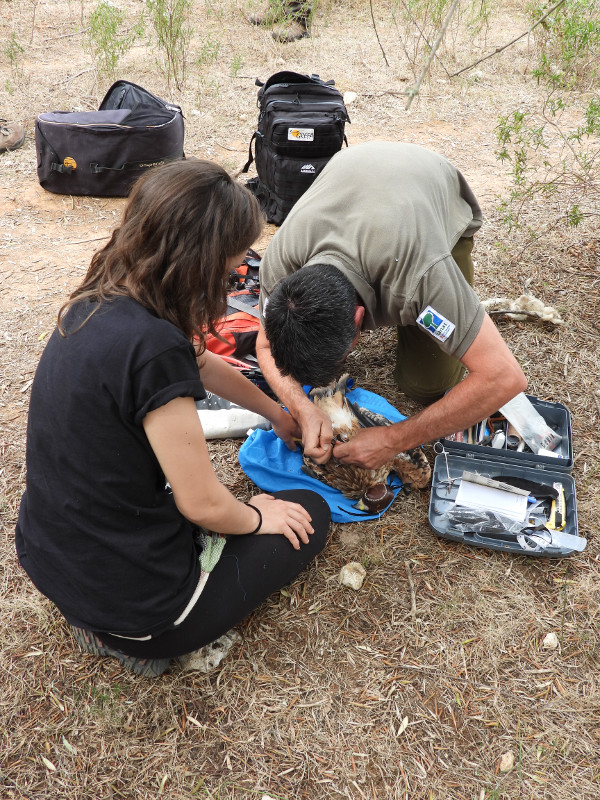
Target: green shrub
point(170, 20)
point(568, 42)
point(551, 158)
point(14, 52)
point(106, 39)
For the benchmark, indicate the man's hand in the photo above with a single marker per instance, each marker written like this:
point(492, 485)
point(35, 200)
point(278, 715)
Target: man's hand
point(314, 429)
point(369, 448)
point(317, 434)
point(493, 378)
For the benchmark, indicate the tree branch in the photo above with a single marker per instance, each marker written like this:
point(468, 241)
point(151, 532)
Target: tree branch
point(516, 39)
point(376, 34)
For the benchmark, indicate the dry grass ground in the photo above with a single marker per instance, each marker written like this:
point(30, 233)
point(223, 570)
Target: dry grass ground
point(416, 685)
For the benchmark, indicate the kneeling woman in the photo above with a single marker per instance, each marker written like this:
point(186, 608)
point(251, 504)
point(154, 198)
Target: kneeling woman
point(112, 421)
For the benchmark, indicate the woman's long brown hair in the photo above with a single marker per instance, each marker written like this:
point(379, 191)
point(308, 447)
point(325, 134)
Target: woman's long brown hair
point(182, 222)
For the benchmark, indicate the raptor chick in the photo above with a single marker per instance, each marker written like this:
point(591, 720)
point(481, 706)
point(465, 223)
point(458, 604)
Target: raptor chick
point(368, 486)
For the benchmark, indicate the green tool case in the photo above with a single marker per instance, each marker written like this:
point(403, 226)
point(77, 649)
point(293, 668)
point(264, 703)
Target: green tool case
point(455, 458)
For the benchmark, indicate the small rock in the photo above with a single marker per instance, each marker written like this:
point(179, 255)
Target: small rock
point(550, 641)
point(210, 656)
point(349, 97)
point(352, 575)
point(507, 761)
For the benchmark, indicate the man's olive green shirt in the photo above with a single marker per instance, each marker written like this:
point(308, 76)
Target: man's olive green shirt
point(387, 215)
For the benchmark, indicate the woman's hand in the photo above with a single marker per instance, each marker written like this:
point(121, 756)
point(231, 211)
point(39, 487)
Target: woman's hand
point(286, 428)
point(280, 516)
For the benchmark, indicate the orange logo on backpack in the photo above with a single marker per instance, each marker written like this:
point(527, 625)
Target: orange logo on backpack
point(70, 162)
point(301, 134)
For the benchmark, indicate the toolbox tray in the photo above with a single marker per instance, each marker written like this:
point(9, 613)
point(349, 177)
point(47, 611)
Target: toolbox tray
point(556, 415)
point(455, 458)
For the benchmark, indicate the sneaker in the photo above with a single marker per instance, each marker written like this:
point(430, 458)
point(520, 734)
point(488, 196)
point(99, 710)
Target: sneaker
point(290, 31)
point(12, 135)
point(148, 667)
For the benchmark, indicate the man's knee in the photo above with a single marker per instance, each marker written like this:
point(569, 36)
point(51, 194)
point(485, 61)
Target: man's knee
point(422, 371)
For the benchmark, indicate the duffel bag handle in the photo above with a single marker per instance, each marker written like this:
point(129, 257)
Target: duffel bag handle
point(56, 167)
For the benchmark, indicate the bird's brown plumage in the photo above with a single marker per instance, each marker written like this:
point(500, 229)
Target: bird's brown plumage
point(359, 482)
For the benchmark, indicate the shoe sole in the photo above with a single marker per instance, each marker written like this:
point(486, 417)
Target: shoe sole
point(147, 667)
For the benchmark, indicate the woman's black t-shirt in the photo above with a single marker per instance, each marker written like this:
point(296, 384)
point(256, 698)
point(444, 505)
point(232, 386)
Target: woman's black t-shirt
point(98, 532)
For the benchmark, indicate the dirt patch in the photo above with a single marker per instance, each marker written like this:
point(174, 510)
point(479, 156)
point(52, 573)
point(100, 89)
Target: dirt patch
point(419, 683)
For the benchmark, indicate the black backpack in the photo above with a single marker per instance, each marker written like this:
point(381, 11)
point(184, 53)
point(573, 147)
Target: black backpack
point(300, 127)
point(103, 152)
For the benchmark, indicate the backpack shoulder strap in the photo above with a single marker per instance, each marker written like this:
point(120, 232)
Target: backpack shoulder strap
point(245, 307)
point(246, 166)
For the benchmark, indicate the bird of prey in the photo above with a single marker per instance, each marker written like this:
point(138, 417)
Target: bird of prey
point(368, 486)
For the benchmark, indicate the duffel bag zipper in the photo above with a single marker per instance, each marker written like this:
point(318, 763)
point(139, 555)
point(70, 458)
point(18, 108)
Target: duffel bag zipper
point(113, 125)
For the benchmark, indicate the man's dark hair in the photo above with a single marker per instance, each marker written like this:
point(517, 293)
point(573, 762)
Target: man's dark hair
point(309, 322)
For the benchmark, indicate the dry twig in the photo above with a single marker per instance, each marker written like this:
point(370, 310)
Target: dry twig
point(413, 596)
point(412, 93)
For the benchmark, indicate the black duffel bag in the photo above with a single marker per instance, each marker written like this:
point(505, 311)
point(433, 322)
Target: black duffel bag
point(102, 153)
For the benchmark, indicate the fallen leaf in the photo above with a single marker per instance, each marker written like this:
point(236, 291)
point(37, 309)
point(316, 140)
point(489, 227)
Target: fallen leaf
point(68, 746)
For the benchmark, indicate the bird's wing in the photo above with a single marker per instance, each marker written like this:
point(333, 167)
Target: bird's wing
point(412, 467)
point(368, 419)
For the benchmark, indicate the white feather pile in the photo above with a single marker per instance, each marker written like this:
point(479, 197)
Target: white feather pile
point(529, 306)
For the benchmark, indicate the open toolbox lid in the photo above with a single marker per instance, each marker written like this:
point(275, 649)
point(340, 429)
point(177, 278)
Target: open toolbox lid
point(482, 529)
point(556, 415)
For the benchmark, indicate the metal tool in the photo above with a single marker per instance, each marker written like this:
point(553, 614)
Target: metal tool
point(439, 449)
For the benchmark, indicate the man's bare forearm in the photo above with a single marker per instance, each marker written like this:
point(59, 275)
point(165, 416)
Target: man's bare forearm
point(494, 377)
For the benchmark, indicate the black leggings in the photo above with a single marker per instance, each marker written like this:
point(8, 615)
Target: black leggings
point(249, 570)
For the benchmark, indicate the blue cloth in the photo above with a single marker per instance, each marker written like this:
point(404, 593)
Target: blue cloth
point(266, 460)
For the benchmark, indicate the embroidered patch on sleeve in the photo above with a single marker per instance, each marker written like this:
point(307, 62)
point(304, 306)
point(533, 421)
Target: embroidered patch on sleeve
point(435, 323)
